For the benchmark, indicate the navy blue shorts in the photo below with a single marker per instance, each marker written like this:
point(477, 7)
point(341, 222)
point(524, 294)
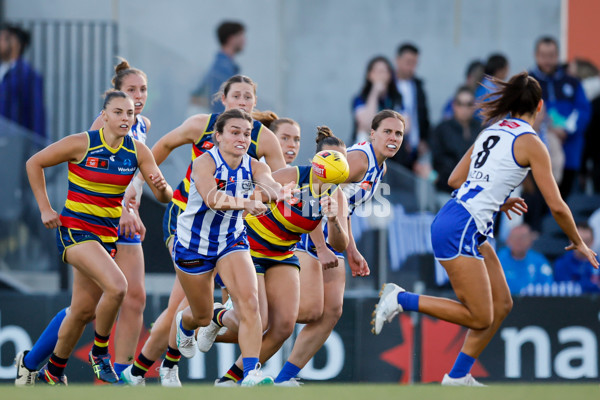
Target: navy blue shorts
point(306, 245)
point(193, 263)
point(137, 239)
point(67, 237)
point(454, 233)
point(170, 222)
point(263, 264)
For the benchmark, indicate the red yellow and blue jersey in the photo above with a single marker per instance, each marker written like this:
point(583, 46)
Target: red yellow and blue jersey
point(97, 184)
point(274, 234)
point(203, 144)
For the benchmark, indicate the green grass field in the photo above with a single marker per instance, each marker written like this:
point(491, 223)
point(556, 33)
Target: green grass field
point(311, 391)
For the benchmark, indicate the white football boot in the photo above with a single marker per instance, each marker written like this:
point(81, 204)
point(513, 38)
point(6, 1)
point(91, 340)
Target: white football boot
point(207, 334)
point(186, 344)
point(169, 377)
point(256, 378)
point(130, 379)
point(387, 307)
point(25, 376)
point(466, 380)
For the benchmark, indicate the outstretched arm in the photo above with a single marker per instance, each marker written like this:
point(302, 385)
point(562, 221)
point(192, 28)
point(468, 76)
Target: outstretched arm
point(335, 209)
point(188, 132)
point(529, 150)
point(71, 148)
point(327, 258)
point(357, 263)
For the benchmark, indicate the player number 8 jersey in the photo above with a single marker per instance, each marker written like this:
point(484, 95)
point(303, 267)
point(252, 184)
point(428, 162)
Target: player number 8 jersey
point(493, 173)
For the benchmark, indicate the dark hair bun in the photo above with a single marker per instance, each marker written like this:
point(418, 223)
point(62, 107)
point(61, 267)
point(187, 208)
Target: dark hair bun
point(122, 66)
point(323, 132)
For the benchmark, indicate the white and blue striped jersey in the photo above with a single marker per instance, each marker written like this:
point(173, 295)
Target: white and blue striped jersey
point(138, 130)
point(494, 172)
point(361, 191)
point(208, 232)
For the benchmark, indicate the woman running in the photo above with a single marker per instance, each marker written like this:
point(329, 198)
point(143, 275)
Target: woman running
point(273, 237)
point(287, 132)
point(491, 169)
point(323, 276)
point(211, 236)
point(101, 165)
point(239, 92)
point(129, 257)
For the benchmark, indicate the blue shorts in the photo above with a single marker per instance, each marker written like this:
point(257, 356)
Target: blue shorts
point(454, 233)
point(193, 263)
point(137, 239)
point(170, 222)
point(306, 245)
point(67, 237)
point(263, 264)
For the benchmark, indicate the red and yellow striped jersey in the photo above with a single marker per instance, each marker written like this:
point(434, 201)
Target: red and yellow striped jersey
point(97, 184)
point(274, 234)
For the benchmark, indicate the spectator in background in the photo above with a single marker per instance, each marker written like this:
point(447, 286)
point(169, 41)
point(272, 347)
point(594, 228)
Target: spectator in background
point(379, 92)
point(495, 67)
point(473, 77)
point(414, 103)
point(232, 38)
point(452, 138)
point(590, 81)
point(575, 267)
point(567, 109)
point(522, 265)
point(21, 87)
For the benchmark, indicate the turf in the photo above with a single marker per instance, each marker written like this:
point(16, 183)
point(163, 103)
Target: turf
point(312, 391)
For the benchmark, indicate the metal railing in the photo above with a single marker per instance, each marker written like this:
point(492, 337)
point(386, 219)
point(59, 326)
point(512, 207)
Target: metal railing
point(75, 58)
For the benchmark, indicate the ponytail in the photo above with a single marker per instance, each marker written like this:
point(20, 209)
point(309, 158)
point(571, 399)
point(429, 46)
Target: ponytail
point(264, 117)
point(122, 70)
point(520, 95)
point(326, 137)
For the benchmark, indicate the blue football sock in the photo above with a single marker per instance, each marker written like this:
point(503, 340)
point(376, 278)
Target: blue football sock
point(187, 332)
point(43, 347)
point(249, 364)
point(288, 372)
point(119, 368)
point(462, 366)
point(408, 301)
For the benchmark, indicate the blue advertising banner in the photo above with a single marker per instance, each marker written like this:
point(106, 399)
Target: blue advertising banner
point(543, 339)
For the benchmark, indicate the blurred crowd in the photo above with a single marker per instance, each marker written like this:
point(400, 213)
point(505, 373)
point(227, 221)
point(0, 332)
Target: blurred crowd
point(569, 125)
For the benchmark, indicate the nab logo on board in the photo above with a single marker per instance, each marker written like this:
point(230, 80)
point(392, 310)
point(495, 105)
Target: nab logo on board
point(576, 359)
